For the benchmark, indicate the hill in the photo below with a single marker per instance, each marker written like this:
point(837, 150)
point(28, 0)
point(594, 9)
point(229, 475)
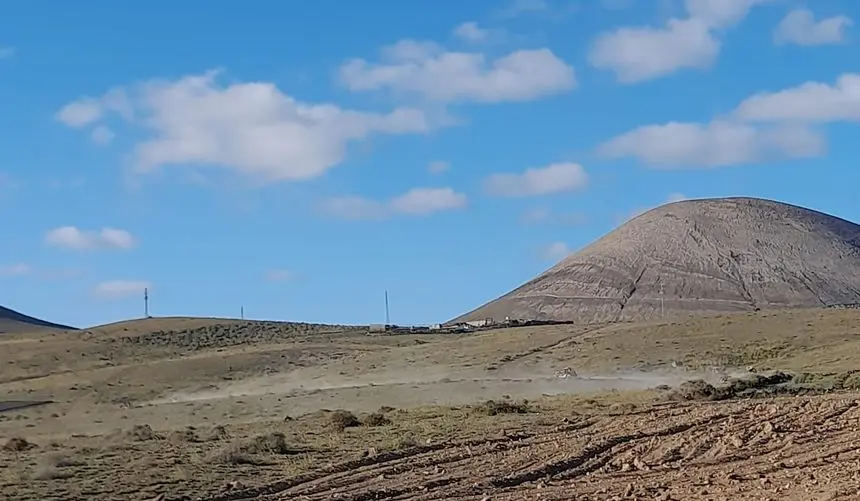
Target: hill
point(13, 321)
point(695, 257)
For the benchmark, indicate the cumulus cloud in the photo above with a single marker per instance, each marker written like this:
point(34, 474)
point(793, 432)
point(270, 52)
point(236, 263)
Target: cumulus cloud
point(554, 178)
point(799, 27)
point(102, 135)
point(810, 102)
point(636, 54)
point(415, 202)
point(714, 144)
point(16, 269)
point(426, 70)
point(71, 237)
point(438, 167)
point(643, 53)
point(252, 128)
point(118, 289)
point(88, 110)
point(555, 251)
point(471, 32)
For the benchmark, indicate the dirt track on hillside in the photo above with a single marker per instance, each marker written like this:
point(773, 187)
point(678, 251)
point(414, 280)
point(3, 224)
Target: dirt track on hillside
point(786, 449)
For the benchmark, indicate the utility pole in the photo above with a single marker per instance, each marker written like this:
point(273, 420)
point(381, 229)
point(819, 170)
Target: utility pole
point(146, 302)
point(242, 312)
point(387, 314)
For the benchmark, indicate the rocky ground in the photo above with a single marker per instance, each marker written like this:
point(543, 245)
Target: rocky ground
point(217, 411)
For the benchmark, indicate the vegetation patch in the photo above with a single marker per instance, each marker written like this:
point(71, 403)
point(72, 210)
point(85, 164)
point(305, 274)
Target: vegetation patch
point(257, 451)
point(765, 385)
point(18, 444)
point(376, 419)
point(752, 386)
point(340, 420)
point(496, 407)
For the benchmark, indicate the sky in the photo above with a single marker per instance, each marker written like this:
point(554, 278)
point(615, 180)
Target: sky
point(298, 159)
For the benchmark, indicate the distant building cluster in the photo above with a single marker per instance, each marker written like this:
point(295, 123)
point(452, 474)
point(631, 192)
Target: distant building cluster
point(458, 327)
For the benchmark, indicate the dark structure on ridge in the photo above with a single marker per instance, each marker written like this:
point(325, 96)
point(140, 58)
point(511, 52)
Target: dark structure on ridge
point(12, 321)
point(699, 256)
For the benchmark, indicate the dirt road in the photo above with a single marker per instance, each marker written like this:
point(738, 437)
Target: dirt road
point(785, 449)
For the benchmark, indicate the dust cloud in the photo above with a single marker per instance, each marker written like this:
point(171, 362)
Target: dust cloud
point(434, 387)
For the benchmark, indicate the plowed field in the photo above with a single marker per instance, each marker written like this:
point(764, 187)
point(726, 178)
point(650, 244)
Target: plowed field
point(797, 448)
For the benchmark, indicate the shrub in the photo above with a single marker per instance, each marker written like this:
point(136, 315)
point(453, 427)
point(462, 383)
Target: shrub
point(494, 407)
point(376, 419)
point(341, 420)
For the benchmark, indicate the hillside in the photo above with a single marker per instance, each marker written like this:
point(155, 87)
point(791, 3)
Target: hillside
point(13, 321)
point(695, 257)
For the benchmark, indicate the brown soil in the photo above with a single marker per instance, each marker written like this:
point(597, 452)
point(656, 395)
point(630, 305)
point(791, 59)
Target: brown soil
point(227, 410)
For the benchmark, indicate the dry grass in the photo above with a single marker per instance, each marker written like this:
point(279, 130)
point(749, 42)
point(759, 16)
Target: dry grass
point(100, 376)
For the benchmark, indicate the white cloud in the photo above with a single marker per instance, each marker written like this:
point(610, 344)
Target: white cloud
point(415, 202)
point(71, 237)
point(800, 27)
point(715, 144)
point(118, 289)
point(15, 269)
point(555, 251)
point(88, 110)
point(554, 178)
point(102, 135)
point(252, 127)
point(438, 167)
point(425, 70)
point(639, 54)
point(6, 52)
point(279, 275)
point(721, 13)
point(813, 102)
point(471, 32)
point(423, 201)
point(636, 54)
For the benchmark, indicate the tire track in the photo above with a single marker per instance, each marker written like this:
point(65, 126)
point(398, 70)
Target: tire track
point(572, 339)
point(745, 450)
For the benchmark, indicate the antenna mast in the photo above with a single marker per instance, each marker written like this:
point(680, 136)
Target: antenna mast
point(387, 314)
point(146, 302)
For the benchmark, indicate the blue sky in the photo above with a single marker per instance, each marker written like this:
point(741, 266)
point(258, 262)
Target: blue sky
point(298, 161)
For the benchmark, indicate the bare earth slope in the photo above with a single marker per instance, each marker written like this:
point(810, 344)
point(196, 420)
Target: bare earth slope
point(12, 321)
point(711, 255)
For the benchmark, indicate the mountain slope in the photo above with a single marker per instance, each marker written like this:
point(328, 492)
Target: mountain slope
point(700, 256)
point(12, 321)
